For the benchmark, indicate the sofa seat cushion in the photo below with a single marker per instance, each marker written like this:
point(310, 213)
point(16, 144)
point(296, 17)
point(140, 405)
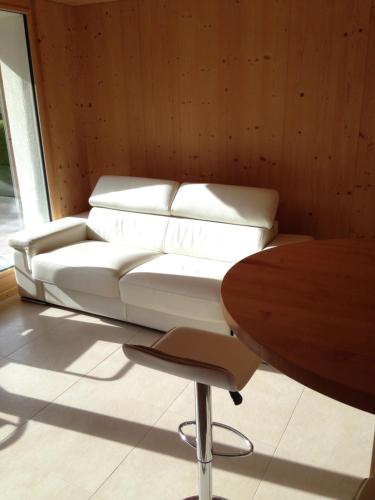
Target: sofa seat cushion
point(178, 284)
point(89, 266)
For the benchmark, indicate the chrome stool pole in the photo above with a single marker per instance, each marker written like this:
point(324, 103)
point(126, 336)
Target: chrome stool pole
point(203, 442)
point(204, 439)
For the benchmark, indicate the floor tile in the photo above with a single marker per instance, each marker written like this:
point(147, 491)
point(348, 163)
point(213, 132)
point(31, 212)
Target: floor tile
point(83, 446)
point(25, 390)
point(31, 482)
point(74, 347)
point(22, 322)
point(164, 468)
point(268, 401)
point(108, 387)
point(146, 336)
point(324, 453)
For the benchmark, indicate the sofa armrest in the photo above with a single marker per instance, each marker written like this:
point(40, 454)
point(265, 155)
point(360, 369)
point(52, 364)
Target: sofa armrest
point(287, 239)
point(49, 236)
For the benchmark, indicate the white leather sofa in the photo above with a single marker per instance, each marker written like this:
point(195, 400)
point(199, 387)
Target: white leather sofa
point(150, 251)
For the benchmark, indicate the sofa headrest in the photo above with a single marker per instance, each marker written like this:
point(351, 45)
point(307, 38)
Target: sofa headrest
point(242, 205)
point(134, 194)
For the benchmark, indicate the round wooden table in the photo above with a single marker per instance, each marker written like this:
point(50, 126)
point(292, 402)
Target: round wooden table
point(308, 309)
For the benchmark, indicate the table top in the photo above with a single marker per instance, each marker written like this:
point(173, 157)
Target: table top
point(308, 309)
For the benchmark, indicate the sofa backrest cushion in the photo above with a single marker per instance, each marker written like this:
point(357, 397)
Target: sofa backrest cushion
point(134, 194)
point(132, 229)
point(213, 221)
point(215, 240)
point(242, 205)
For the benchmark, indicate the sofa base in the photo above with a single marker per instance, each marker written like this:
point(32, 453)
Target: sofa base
point(42, 293)
point(94, 304)
point(33, 301)
point(28, 287)
point(115, 309)
point(164, 322)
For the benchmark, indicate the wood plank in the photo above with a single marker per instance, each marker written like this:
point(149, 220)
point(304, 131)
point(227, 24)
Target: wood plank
point(362, 223)
point(74, 3)
point(16, 5)
point(8, 285)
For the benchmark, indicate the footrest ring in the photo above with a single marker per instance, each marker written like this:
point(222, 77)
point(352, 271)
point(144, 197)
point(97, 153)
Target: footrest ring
point(192, 442)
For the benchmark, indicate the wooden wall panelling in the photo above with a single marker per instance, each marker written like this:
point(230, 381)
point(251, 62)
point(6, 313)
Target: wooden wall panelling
point(104, 112)
point(326, 62)
point(255, 72)
point(259, 92)
point(161, 31)
point(189, 69)
point(8, 286)
point(204, 77)
point(61, 88)
point(362, 224)
point(133, 82)
point(192, 88)
point(148, 95)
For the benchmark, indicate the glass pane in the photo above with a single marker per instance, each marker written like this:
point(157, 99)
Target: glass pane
point(10, 213)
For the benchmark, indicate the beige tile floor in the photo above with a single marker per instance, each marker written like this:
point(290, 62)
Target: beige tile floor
point(78, 421)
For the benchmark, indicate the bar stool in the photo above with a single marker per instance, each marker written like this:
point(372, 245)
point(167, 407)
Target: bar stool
point(209, 359)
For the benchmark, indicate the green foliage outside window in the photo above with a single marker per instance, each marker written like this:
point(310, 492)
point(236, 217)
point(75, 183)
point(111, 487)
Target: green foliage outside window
point(6, 185)
point(3, 145)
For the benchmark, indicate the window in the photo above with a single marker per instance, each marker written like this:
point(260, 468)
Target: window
point(23, 193)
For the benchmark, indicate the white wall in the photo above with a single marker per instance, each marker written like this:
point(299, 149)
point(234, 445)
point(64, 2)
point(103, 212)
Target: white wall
point(19, 101)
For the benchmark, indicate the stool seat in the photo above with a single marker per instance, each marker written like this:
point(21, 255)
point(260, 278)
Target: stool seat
point(208, 358)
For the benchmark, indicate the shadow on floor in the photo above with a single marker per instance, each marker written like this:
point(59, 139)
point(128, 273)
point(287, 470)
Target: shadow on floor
point(289, 473)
